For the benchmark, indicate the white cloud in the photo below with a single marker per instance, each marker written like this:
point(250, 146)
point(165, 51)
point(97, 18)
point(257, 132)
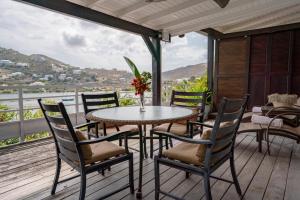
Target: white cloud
point(32, 30)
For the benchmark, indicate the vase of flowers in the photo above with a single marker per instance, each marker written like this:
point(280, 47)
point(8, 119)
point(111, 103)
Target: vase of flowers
point(141, 83)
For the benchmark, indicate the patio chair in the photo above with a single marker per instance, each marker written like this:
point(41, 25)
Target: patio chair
point(193, 100)
point(288, 130)
point(205, 155)
point(83, 155)
point(92, 102)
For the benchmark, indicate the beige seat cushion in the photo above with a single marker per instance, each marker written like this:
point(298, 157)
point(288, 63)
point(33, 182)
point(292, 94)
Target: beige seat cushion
point(109, 131)
point(195, 110)
point(283, 100)
point(104, 151)
point(184, 152)
point(177, 129)
point(86, 149)
point(192, 153)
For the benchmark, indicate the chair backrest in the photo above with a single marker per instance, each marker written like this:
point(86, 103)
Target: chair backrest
point(224, 131)
point(189, 99)
point(63, 132)
point(93, 102)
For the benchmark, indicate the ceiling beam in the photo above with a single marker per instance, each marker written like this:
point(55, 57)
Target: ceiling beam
point(168, 11)
point(273, 29)
point(242, 13)
point(82, 12)
point(259, 19)
point(131, 8)
point(210, 31)
point(279, 21)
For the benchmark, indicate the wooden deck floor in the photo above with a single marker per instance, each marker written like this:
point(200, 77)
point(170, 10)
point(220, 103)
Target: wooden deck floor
point(26, 172)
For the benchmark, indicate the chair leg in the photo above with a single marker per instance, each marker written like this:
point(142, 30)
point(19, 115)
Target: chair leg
point(171, 143)
point(120, 141)
point(187, 174)
point(268, 143)
point(234, 177)
point(151, 144)
point(56, 177)
point(167, 142)
point(207, 187)
point(131, 178)
point(82, 186)
point(156, 176)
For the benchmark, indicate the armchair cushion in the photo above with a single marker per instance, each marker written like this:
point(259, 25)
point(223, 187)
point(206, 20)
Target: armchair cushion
point(86, 148)
point(177, 129)
point(112, 130)
point(201, 151)
point(185, 152)
point(282, 100)
point(194, 119)
point(104, 150)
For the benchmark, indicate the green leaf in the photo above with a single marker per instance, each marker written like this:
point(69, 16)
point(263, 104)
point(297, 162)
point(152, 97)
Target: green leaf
point(133, 68)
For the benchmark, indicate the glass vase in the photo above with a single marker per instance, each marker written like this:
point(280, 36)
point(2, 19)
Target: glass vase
point(142, 103)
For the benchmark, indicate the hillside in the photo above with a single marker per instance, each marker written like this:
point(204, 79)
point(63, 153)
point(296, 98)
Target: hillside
point(38, 63)
point(185, 72)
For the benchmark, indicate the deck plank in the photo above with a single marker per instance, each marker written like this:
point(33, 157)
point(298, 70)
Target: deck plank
point(277, 183)
point(257, 164)
point(292, 187)
point(28, 174)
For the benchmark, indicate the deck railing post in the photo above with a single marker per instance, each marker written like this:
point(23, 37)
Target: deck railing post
point(76, 104)
point(21, 114)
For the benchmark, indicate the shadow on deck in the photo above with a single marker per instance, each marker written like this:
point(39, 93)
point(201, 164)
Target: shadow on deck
point(27, 171)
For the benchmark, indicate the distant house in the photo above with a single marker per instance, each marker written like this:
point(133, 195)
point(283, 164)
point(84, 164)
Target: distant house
point(57, 68)
point(48, 77)
point(77, 71)
point(69, 79)
point(22, 64)
point(16, 74)
point(6, 63)
point(37, 83)
point(62, 77)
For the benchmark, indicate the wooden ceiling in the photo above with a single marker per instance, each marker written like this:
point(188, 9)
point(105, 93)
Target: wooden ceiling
point(182, 16)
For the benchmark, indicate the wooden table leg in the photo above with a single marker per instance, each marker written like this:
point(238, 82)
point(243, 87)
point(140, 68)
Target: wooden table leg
point(139, 191)
point(259, 139)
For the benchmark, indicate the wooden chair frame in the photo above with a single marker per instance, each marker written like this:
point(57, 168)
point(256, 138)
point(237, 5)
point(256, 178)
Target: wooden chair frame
point(179, 101)
point(223, 155)
point(113, 100)
point(81, 167)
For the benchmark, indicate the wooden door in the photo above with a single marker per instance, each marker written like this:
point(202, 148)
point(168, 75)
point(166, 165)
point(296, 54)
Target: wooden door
point(295, 79)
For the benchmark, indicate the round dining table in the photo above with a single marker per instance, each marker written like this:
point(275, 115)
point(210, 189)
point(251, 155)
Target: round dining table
point(132, 115)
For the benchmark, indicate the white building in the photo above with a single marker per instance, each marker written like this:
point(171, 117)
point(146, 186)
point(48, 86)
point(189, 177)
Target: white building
point(57, 68)
point(37, 83)
point(6, 62)
point(15, 74)
point(77, 71)
point(22, 64)
point(62, 77)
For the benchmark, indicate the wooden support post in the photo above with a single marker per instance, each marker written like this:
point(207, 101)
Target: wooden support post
point(155, 50)
point(210, 60)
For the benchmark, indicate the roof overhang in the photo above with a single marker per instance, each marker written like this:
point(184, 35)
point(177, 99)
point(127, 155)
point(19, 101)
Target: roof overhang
point(177, 17)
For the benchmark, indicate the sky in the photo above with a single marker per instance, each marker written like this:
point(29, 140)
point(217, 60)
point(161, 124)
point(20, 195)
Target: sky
point(32, 30)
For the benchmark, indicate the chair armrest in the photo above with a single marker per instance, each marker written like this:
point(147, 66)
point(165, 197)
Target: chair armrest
point(183, 139)
point(111, 137)
point(85, 124)
point(201, 124)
